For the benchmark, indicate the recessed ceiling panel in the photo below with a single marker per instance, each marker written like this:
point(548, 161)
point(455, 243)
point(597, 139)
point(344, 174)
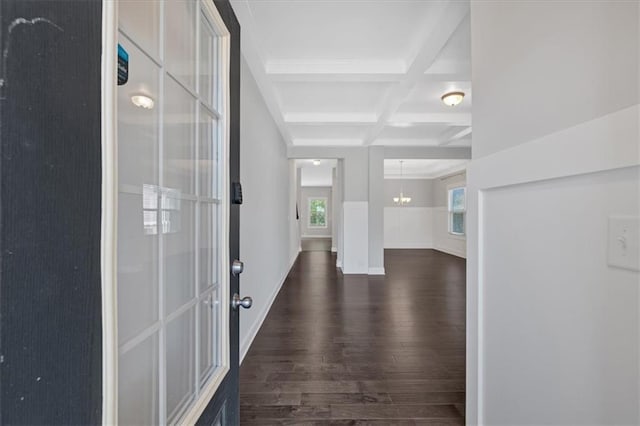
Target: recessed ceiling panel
point(325, 97)
point(417, 131)
point(340, 30)
point(328, 131)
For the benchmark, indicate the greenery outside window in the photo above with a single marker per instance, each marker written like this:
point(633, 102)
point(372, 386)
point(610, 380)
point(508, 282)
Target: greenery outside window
point(317, 212)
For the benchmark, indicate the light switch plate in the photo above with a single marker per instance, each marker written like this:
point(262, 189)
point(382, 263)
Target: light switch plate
point(624, 242)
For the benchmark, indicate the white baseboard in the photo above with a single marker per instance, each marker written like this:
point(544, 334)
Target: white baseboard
point(253, 332)
point(425, 245)
point(334, 249)
point(376, 271)
point(451, 252)
point(339, 264)
point(315, 236)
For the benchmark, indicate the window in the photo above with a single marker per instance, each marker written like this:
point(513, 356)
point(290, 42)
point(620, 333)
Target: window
point(317, 212)
point(457, 208)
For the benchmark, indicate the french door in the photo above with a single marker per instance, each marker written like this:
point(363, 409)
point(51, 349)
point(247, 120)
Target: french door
point(176, 333)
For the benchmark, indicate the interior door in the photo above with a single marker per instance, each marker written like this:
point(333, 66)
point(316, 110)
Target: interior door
point(178, 229)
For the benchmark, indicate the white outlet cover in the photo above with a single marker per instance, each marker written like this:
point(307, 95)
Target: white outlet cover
point(624, 242)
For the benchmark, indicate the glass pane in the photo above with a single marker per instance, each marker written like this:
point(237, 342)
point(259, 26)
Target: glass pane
point(179, 138)
point(137, 268)
point(178, 246)
point(207, 62)
point(208, 234)
point(138, 384)
point(180, 364)
point(140, 20)
point(457, 223)
point(457, 199)
point(180, 43)
point(208, 154)
point(317, 212)
point(208, 336)
point(137, 126)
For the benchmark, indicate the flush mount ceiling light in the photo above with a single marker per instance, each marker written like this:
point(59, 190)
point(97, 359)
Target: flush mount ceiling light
point(452, 98)
point(316, 162)
point(401, 200)
point(142, 101)
point(400, 124)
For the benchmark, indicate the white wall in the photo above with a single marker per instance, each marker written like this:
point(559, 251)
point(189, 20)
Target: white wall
point(411, 225)
point(408, 227)
point(306, 193)
point(267, 216)
point(553, 331)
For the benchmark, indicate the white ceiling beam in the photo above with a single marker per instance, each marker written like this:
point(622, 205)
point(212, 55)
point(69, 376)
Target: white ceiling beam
point(330, 118)
point(327, 142)
point(455, 136)
point(453, 119)
point(405, 142)
point(450, 18)
point(251, 51)
point(337, 78)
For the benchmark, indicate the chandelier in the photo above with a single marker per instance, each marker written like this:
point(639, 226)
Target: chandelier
point(401, 200)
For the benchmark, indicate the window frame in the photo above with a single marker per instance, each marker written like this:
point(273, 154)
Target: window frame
point(326, 218)
point(451, 211)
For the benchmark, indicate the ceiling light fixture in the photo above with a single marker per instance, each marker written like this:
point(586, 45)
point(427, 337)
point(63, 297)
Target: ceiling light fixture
point(142, 101)
point(401, 200)
point(452, 98)
point(316, 162)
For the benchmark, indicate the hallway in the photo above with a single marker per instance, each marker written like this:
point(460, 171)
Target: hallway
point(382, 350)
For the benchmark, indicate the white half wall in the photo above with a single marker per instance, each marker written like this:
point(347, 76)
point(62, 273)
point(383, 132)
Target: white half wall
point(268, 214)
point(408, 227)
point(356, 237)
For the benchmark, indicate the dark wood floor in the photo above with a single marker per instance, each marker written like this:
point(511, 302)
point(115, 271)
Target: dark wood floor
point(315, 244)
point(348, 350)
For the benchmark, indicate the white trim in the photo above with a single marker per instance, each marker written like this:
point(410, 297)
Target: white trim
point(334, 249)
point(255, 328)
point(109, 226)
point(410, 246)
point(450, 251)
point(205, 396)
point(585, 148)
point(578, 150)
point(339, 264)
point(376, 271)
point(316, 236)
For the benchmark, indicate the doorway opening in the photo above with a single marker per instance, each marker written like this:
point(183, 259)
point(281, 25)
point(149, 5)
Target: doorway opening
point(317, 205)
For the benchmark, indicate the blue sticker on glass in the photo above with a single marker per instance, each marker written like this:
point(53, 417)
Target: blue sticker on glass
point(123, 66)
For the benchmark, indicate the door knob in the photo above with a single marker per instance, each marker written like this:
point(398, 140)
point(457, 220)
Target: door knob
point(237, 267)
point(245, 302)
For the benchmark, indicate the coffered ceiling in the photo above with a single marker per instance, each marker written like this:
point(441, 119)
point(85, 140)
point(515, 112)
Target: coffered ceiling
point(361, 72)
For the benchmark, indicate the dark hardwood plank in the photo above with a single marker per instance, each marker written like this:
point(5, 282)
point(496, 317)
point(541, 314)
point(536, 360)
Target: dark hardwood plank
point(361, 350)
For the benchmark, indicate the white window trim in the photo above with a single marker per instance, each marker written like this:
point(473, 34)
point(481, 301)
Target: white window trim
point(326, 216)
point(450, 212)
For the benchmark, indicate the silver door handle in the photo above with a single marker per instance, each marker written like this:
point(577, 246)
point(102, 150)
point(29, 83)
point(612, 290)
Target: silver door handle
point(245, 302)
point(237, 267)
